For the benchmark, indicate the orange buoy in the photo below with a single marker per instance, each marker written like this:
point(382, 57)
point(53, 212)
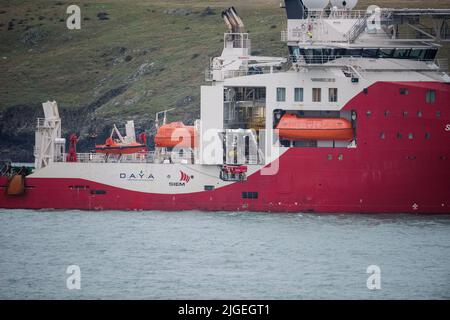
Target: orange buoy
point(16, 185)
point(175, 134)
point(296, 128)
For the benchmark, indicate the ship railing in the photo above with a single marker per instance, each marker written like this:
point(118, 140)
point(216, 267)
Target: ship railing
point(220, 75)
point(442, 64)
point(103, 158)
point(322, 59)
point(43, 123)
point(237, 40)
point(148, 157)
point(319, 59)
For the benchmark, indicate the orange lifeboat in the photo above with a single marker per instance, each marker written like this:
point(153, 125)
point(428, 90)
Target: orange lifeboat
point(113, 147)
point(296, 128)
point(175, 134)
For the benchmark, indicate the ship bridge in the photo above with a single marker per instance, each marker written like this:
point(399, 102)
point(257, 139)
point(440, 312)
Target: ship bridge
point(319, 31)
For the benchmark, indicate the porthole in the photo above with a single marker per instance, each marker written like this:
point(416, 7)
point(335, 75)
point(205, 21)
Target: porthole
point(404, 91)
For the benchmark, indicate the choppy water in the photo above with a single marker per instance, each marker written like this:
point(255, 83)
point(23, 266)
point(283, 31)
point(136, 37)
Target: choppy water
point(196, 255)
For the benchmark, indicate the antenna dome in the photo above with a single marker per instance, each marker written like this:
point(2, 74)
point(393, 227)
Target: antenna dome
point(315, 4)
point(344, 4)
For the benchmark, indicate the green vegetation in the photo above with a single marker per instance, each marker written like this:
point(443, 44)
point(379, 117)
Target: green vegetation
point(171, 47)
point(130, 59)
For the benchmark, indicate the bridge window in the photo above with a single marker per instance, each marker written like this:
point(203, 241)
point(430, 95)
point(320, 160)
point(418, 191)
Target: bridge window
point(333, 94)
point(317, 94)
point(281, 94)
point(401, 53)
point(431, 96)
point(386, 53)
point(298, 94)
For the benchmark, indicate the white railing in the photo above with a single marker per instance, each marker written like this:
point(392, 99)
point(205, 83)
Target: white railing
point(42, 123)
point(321, 59)
point(442, 64)
point(237, 40)
point(227, 74)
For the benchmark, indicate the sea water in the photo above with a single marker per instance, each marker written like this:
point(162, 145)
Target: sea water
point(222, 255)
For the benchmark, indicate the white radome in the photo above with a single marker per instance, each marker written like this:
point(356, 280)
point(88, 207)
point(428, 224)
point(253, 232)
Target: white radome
point(344, 4)
point(316, 4)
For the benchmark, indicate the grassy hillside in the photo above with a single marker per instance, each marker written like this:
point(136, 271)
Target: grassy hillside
point(130, 59)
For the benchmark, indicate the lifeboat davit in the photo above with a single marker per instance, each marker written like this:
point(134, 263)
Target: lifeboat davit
point(113, 147)
point(175, 134)
point(293, 127)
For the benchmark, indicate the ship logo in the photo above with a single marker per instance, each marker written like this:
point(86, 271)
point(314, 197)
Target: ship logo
point(184, 177)
point(137, 176)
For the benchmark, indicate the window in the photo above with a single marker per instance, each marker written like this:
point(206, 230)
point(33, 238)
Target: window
point(369, 114)
point(329, 157)
point(431, 96)
point(281, 94)
point(438, 114)
point(382, 136)
point(419, 114)
point(410, 136)
point(98, 192)
point(404, 91)
point(399, 135)
point(401, 53)
point(333, 94)
point(249, 195)
point(427, 136)
point(405, 114)
point(317, 94)
point(298, 94)
point(387, 113)
point(209, 188)
point(341, 157)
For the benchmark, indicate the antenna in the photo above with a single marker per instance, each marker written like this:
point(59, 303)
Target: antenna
point(164, 112)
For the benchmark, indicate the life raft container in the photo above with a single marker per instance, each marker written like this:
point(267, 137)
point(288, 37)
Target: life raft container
point(175, 134)
point(293, 127)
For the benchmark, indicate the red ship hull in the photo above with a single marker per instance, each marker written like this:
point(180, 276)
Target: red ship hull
point(401, 165)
